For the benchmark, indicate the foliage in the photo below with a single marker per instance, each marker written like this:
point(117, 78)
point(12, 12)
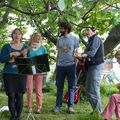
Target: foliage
point(3, 36)
point(107, 88)
point(45, 15)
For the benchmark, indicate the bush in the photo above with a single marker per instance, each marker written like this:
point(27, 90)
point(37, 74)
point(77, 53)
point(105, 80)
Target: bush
point(107, 89)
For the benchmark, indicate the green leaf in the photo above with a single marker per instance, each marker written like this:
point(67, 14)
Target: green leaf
point(61, 5)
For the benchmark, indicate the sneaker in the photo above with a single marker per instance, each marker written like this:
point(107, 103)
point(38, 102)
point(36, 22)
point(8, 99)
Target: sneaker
point(70, 110)
point(56, 110)
point(38, 111)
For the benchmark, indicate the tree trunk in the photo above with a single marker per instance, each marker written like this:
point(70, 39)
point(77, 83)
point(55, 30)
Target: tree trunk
point(112, 40)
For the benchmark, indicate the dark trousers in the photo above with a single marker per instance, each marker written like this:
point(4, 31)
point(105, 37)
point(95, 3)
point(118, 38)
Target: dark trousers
point(15, 104)
point(61, 73)
point(15, 86)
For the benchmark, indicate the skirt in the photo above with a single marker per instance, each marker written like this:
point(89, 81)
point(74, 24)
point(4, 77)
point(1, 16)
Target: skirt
point(14, 83)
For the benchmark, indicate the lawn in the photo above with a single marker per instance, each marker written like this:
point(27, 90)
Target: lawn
point(82, 109)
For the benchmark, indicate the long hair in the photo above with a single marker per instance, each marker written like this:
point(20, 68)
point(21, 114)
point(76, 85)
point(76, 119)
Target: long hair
point(32, 37)
point(17, 29)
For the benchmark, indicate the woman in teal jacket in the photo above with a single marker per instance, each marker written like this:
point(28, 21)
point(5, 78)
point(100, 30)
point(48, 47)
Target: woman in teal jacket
point(14, 83)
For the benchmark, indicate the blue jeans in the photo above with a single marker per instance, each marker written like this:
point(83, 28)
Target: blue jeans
point(61, 73)
point(93, 86)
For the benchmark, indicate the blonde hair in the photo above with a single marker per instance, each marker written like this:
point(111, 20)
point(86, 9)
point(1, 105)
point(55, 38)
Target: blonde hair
point(32, 37)
point(117, 53)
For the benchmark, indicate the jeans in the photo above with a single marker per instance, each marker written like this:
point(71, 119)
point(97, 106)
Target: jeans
point(93, 86)
point(61, 73)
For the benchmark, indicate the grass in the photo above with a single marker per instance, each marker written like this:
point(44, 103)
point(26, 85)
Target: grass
point(82, 109)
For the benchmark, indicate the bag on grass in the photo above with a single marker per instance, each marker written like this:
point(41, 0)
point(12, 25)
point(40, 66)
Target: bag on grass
point(76, 95)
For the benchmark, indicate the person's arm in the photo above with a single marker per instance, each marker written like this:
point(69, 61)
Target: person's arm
point(56, 61)
point(58, 52)
point(76, 53)
point(6, 55)
point(24, 52)
point(93, 48)
point(77, 45)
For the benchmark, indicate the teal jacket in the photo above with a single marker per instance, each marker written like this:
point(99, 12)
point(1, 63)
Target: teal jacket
point(5, 57)
point(40, 51)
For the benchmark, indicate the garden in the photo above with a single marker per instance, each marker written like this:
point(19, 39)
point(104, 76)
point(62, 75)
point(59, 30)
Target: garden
point(82, 108)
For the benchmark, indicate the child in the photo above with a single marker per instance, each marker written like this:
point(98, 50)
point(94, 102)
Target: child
point(35, 48)
point(114, 102)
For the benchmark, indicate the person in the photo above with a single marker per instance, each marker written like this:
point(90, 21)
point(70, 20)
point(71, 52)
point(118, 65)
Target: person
point(94, 54)
point(114, 101)
point(14, 83)
point(65, 65)
point(35, 48)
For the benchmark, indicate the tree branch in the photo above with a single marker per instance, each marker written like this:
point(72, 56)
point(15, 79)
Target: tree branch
point(111, 5)
point(85, 17)
point(46, 33)
point(2, 3)
point(27, 13)
point(5, 16)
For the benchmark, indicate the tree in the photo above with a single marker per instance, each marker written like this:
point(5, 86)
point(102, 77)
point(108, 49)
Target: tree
point(45, 16)
point(113, 39)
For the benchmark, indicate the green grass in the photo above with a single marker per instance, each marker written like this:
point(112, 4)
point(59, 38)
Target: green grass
point(82, 109)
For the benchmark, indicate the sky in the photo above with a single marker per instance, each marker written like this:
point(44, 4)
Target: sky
point(30, 30)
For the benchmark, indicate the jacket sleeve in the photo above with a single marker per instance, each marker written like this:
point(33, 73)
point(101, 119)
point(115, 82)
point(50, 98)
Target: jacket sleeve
point(94, 47)
point(5, 54)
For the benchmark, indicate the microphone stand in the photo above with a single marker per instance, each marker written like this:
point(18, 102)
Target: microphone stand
point(30, 115)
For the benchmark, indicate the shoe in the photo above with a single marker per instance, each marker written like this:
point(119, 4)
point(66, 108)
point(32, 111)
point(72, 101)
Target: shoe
point(38, 111)
point(70, 110)
point(56, 109)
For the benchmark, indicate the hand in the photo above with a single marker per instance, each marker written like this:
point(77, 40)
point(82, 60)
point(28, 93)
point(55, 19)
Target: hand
point(11, 60)
point(84, 55)
point(24, 52)
point(14, 54)
point(77, 55)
